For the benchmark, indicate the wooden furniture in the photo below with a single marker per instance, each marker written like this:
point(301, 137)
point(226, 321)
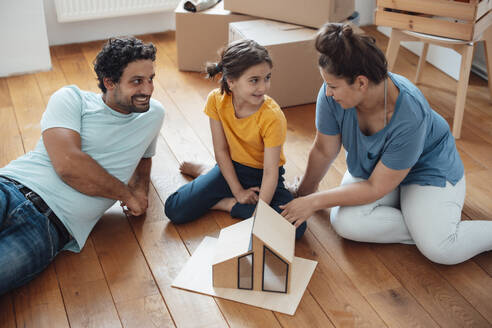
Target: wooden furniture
point(464, 20)
point(465, 48)
point(453, 24)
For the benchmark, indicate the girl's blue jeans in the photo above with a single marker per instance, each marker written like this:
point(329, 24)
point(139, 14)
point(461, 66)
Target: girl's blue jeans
point(28, 240)
point(195, 198)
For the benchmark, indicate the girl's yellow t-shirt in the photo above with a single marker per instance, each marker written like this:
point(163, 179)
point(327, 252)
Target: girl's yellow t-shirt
point(247, 137)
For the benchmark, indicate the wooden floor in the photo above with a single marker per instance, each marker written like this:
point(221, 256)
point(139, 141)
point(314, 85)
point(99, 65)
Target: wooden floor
point(123, 275)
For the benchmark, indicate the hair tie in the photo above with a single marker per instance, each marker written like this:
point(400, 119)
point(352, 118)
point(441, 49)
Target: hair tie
point(218, 66)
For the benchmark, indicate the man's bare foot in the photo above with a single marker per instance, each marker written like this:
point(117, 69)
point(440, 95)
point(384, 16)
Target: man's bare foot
point(225, 204)
point(192, 169)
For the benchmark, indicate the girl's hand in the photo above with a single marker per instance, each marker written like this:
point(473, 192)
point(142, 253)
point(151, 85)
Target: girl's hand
point(247, 196)
point(298, 210)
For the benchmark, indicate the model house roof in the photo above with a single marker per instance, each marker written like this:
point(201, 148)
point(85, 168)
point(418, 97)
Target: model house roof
point(275, 231)
point(234, 240)
point(267, 225)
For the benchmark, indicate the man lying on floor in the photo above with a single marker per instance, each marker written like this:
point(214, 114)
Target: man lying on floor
point(95, 150)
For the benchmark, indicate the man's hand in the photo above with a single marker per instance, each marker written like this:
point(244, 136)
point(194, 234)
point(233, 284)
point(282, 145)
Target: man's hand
point(142, 198)
point(247, 196)
point(136, 205)
point(138, 200)
point(298, 210)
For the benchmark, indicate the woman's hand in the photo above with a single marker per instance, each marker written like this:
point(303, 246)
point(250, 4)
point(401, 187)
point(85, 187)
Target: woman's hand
point(298, 210)
point(247, 196)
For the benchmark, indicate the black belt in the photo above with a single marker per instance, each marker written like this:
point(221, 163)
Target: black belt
point(43, 208)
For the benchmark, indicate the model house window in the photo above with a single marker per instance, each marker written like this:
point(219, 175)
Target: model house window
point(245, 272)
point(275, 272)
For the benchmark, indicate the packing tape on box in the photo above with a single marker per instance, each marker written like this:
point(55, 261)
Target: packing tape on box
point(199, 5)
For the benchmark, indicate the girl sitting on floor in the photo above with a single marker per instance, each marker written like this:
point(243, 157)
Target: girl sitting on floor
point(248, 131)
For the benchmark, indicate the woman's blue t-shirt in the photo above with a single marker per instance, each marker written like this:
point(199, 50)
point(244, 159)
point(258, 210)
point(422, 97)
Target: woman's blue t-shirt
point(416, 137)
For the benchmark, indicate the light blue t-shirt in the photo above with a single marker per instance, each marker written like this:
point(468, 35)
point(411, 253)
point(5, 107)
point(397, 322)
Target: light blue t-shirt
point(416, 137)
point(116, 141)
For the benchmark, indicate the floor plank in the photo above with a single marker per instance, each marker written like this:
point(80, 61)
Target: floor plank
point(52, 80)
point(166, 255)
point(165, 252)
point(133, 288)
point(478, 198)
point(39, 304)
point(7, 314)
point(29, 107)
point(78, 72)
point(471, 281)
point(417, 274)
point(11, 146)
point(86, 293)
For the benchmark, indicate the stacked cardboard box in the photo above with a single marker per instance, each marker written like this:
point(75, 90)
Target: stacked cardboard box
point(313, 13)
point(200, 35)
point(295, 76)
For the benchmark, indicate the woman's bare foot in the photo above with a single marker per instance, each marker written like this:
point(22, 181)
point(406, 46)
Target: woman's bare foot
point(225, 204)
point(192, 169)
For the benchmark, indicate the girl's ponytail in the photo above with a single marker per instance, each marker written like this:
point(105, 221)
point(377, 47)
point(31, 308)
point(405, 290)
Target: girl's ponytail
point(213, 69)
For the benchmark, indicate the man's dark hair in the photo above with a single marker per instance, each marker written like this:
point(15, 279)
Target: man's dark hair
point(116, 54)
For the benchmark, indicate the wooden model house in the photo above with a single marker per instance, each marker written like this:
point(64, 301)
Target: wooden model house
point(256, 253)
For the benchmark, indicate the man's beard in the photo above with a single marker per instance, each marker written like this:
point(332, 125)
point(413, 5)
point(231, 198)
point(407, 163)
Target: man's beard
point(130, 106)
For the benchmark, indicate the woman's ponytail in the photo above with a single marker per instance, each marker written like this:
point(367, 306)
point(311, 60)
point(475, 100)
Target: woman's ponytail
point(346, 54)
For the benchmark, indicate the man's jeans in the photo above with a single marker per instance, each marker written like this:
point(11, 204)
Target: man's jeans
point(28, 240)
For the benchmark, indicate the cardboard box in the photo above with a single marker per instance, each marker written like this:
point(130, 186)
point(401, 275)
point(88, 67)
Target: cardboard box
point(313, 13)
point(200, 35)
point(295, 76)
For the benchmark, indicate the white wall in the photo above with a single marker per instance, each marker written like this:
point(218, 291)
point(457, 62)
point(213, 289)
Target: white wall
point(23, 37)
point(99, 29)
point(447, 60)
point(479, 64)
point(366, 11)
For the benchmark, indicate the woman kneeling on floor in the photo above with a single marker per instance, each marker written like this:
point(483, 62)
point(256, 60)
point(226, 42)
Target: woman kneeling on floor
point(405, 180)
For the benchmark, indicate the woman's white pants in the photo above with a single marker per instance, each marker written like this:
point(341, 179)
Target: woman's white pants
point(427, 216)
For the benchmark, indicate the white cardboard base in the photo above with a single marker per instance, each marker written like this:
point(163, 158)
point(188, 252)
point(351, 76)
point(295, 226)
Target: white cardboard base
point(196, 276)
